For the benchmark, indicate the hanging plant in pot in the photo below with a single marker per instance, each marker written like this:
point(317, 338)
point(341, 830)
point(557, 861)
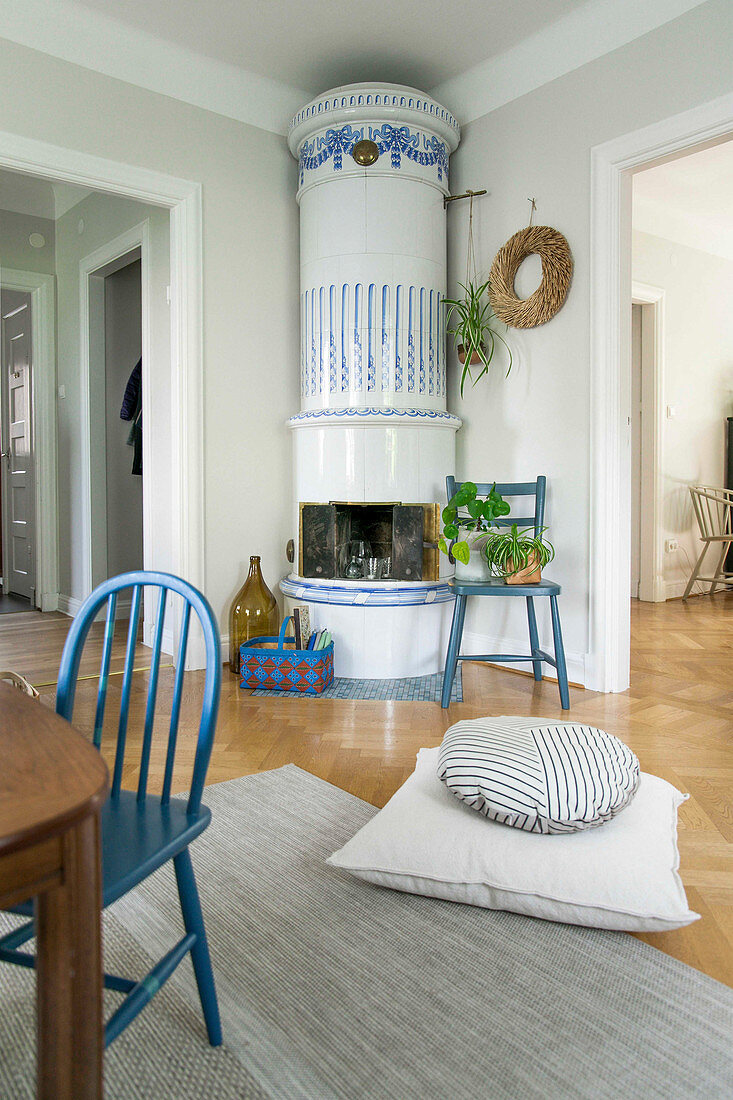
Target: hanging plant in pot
point(467, 528)
point(518, 556)
point(469, 320)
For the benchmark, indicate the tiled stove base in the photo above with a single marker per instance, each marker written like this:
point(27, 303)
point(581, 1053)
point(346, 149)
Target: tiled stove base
point(381, 630)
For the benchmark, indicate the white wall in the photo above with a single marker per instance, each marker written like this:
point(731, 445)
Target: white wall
point(123, 348)
point(537, 420)
point(250, 256)
point(88, 226)
point(15, 249)
point(698, 383)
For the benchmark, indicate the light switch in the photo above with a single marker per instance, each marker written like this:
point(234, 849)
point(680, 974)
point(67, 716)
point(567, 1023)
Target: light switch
point(62, 393)
point(671, 412)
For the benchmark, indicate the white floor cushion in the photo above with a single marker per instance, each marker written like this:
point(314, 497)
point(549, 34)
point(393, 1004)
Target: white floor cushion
point(622, 875)
point(545, 777)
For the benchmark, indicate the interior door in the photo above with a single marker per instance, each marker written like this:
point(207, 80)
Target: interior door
point(18, 480)
point(636, 468)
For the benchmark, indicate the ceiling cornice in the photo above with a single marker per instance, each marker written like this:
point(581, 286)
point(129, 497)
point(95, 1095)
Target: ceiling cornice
point(584, 34)
point(74, 33)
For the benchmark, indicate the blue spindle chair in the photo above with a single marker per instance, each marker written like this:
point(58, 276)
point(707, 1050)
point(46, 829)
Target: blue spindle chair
point(497, 586)
point(142, 831)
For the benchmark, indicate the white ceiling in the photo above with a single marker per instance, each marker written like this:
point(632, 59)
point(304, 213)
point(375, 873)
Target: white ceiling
point(689, 200)
point(315, 46)
point(259, 61)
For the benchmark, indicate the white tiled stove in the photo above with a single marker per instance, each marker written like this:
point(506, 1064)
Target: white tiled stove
point(373, 424)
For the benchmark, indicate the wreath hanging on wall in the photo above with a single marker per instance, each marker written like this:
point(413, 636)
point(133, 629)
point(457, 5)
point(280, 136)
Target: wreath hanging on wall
point(557, 271)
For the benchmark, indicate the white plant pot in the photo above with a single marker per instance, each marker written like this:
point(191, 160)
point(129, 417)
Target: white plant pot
point(477, 567)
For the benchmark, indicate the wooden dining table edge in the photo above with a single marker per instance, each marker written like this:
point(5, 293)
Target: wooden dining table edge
point(56, 860)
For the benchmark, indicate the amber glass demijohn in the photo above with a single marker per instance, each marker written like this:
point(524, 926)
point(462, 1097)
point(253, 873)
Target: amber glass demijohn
point(254, 612)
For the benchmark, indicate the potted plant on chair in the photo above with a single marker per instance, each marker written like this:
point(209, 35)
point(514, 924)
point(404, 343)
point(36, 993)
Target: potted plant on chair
point(518, 556)
point(467, 523)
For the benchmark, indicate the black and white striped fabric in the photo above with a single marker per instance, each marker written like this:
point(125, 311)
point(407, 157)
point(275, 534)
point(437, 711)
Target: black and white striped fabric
point(544, 777)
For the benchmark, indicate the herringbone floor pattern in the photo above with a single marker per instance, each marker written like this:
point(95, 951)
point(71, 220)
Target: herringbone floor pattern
point(677, 716)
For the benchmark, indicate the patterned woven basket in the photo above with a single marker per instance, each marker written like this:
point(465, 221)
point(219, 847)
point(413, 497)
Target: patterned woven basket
point(266, 663)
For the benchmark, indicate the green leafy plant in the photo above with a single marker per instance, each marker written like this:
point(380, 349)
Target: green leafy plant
point(469, 322)
point(466, 511)
point(511, 551)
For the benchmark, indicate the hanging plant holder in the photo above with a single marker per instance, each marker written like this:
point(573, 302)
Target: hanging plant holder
point(557, 271)
point(469, 318)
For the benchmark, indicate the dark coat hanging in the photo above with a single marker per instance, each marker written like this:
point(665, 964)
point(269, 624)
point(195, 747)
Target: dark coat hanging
point(132, 409)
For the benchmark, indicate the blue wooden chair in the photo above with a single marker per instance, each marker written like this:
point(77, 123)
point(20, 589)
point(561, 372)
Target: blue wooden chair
point(497, 586)
point(142, 831)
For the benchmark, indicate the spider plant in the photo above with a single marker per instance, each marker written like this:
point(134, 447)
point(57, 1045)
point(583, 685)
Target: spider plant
point(512, 552)
point(469, 321)
point(468, 512)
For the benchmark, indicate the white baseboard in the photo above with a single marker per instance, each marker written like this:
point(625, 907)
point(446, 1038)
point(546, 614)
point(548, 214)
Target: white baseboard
point(675, 589)
point(149, 637)
point(473, 642)
point(69, 605)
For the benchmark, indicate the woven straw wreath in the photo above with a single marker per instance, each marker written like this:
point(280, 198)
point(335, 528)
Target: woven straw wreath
point(557, 271)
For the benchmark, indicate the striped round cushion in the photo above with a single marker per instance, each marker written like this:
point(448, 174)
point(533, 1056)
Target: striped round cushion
point(545, 777)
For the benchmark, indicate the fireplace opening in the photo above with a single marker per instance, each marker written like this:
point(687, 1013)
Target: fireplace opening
point(372, 542)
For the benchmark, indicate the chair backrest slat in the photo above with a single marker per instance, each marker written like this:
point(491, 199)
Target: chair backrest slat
point(176, 705)
point(109, 634)
point(142, 784)
point(71, 659)
point(126, 689)
point(713, 510)
point(536, 489)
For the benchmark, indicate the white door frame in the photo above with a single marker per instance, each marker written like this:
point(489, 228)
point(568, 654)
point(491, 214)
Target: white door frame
point(183, 199)
point(42, 289)
point(612, 165)
point(651, 558)
point(93, 270)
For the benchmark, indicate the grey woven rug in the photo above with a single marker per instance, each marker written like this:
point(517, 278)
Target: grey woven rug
point(412, 689)
point(332, 989)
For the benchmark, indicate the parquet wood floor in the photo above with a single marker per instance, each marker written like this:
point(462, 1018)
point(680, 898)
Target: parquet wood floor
point(677, 716)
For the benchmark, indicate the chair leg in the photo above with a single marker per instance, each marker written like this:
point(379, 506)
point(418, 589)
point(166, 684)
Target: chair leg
point(562, 672)
point(534, 638)
point(695, 571)
point(194, 922)
point(454, 648)
point(718, 575)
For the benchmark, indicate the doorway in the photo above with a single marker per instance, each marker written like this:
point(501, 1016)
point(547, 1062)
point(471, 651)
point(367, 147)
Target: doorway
point(647, 442)
point(123, 417)
point(176, 469)
point(612, 167)
point(17, 455)
point(114, 350)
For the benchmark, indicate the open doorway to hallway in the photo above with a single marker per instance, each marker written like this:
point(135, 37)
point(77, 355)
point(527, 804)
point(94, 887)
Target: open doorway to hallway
point(17, 459)
point(682, 369)
point(85, 281)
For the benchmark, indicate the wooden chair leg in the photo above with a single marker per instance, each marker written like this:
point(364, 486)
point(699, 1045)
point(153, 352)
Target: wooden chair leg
point(718, 574)
point(194, 922)
point(534, 638)
point(562, 672)
point(454, 648)
point(695, 571)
